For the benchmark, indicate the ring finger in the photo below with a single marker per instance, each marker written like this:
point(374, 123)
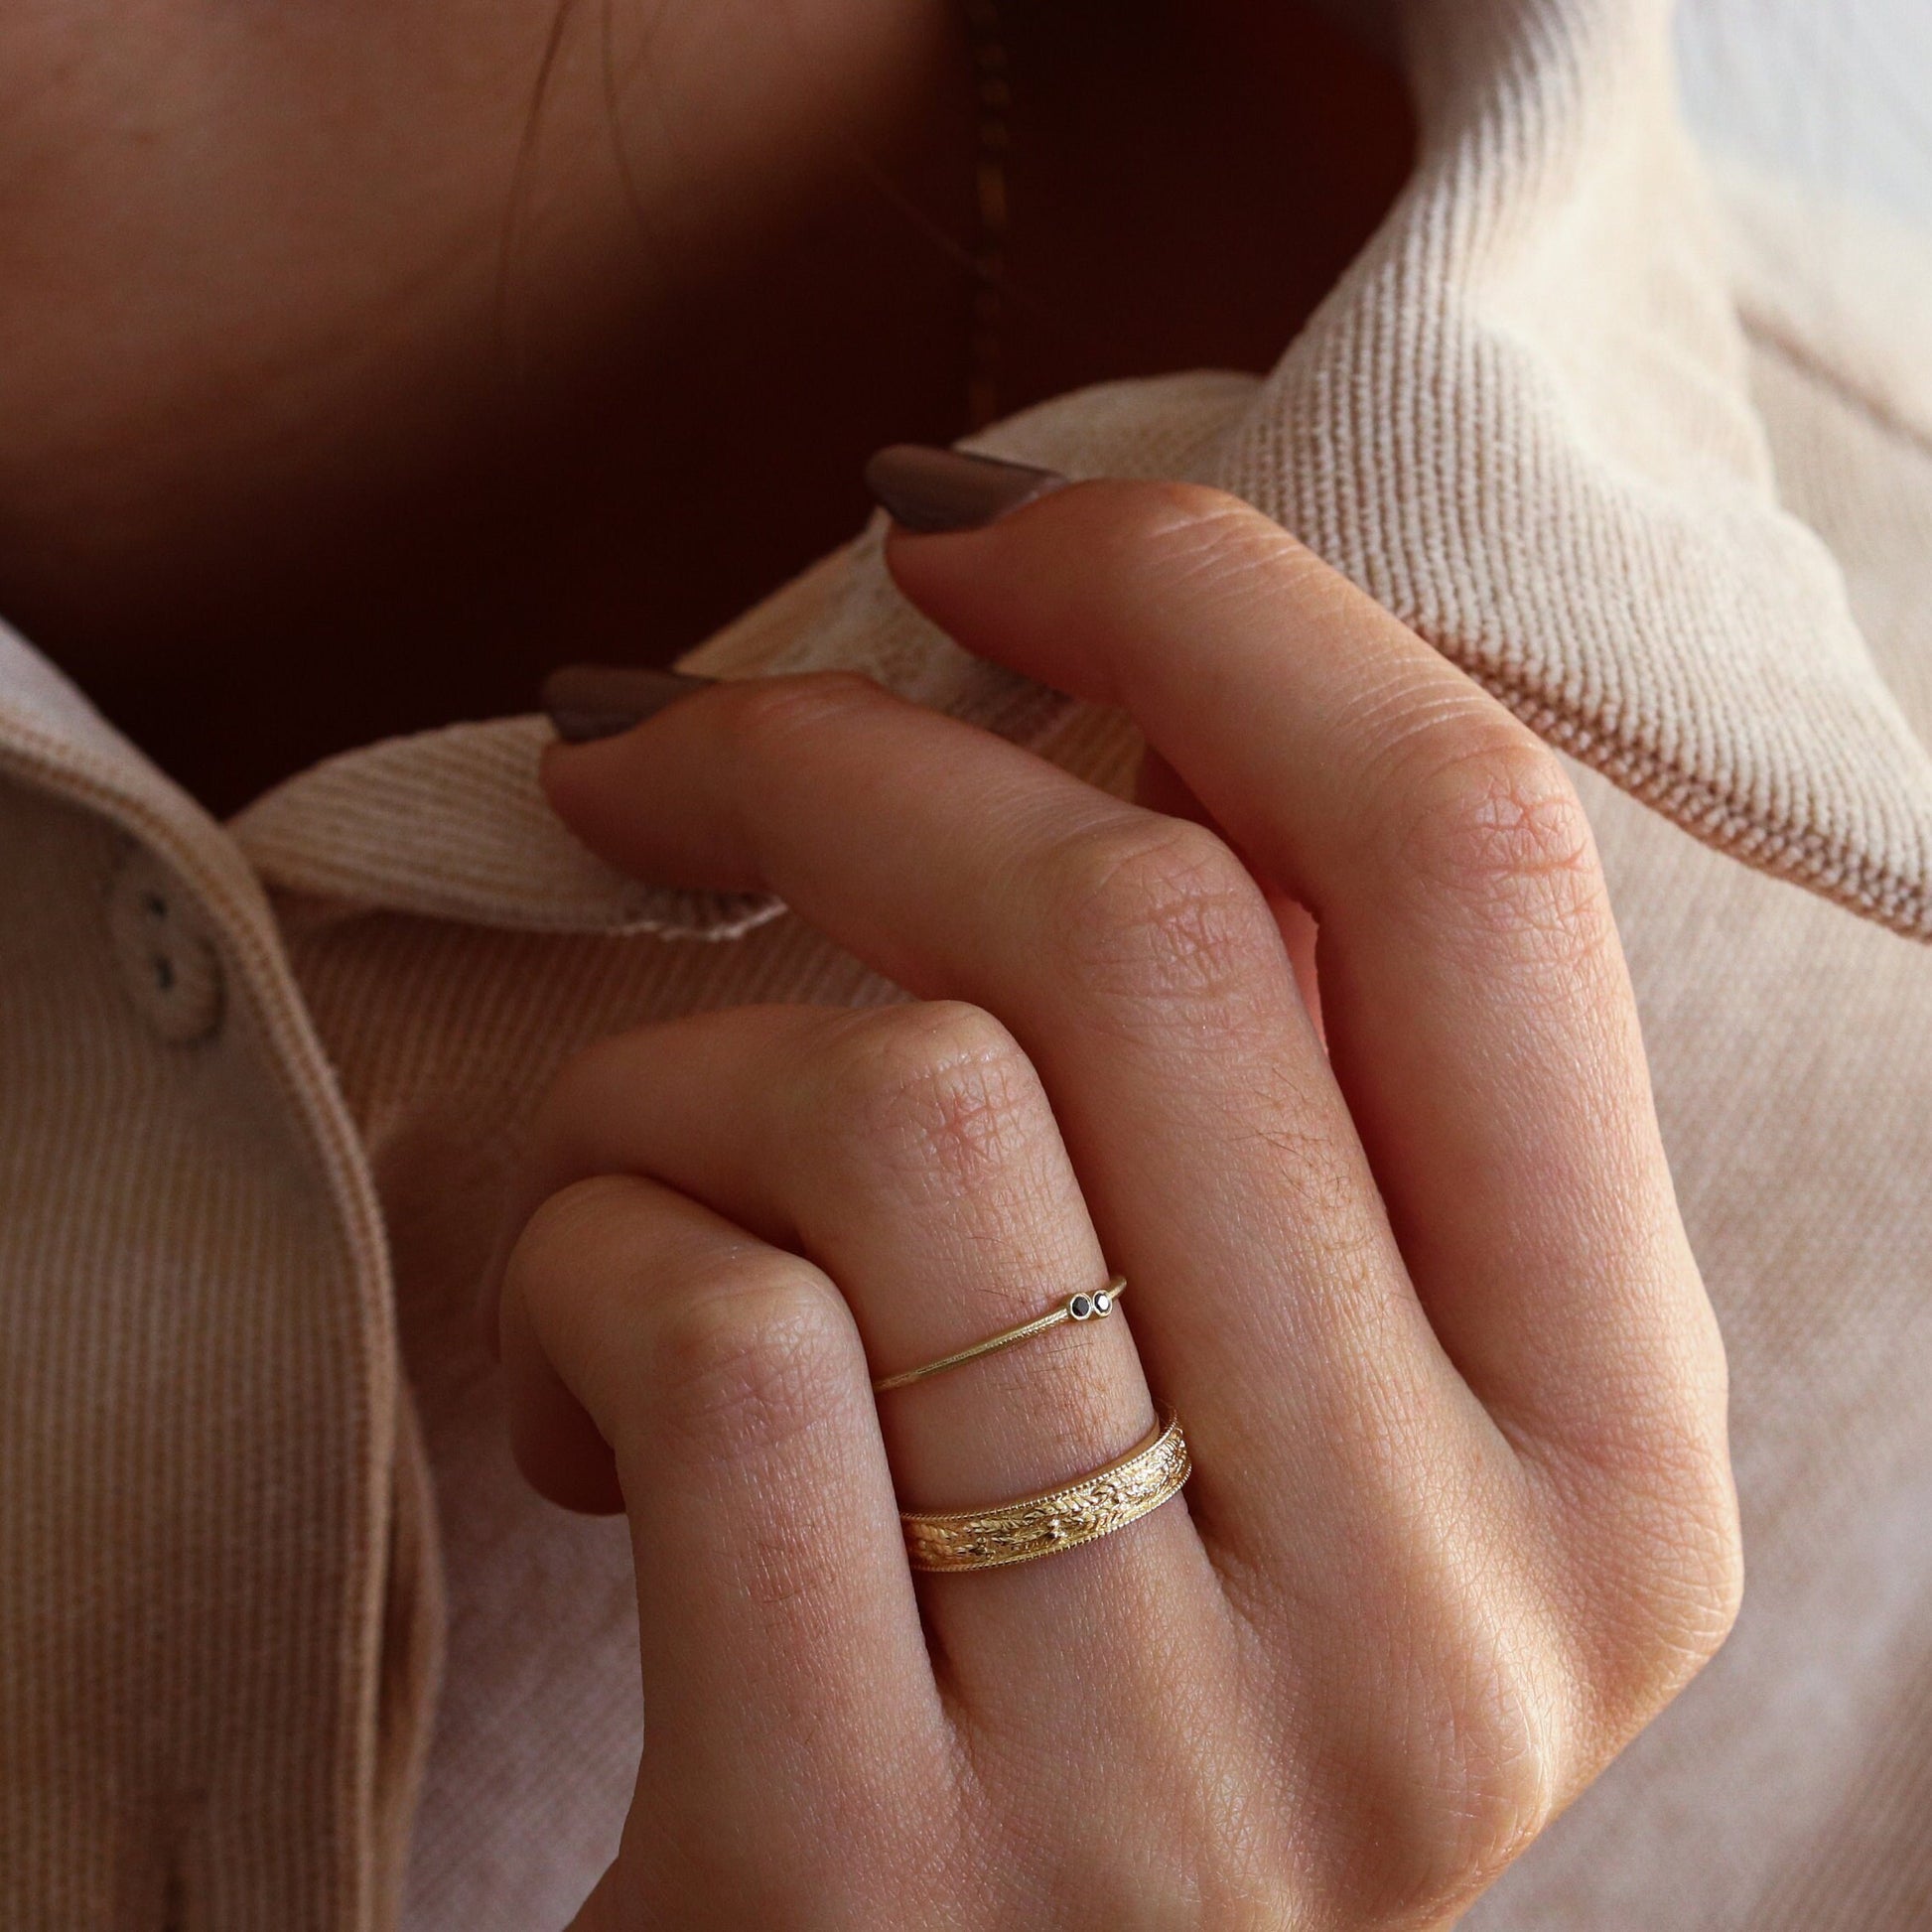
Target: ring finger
point(911, 1153)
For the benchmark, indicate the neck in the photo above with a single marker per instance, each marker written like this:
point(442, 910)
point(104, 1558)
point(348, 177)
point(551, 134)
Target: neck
point(1184, 184)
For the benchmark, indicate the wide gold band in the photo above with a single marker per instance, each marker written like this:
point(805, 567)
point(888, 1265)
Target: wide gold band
point(1087, 1305)
point(1056, 1519)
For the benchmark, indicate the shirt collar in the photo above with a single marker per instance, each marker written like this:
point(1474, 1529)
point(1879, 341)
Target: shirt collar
point(1520, 421)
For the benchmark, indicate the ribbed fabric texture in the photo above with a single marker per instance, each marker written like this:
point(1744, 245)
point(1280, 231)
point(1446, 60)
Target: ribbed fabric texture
point(1659, 487)
point(197, 1442)
point(1574, 506)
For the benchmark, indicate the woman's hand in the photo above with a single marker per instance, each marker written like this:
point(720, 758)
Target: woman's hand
point(1461, 1518)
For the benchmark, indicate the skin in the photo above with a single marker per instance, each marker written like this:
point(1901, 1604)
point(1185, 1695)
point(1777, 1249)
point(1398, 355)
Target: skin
point(330, 353)
point(357, 369)
point(1462, 1518)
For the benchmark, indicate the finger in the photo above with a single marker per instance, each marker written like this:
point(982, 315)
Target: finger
point(785, 1675)
point(1477, 1003)
point(1142, 974)
point(911, 1153)
point(1161, 788)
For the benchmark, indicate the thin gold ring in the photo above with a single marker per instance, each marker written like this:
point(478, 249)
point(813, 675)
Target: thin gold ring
point(1087, 1305)
point(1056, 1519)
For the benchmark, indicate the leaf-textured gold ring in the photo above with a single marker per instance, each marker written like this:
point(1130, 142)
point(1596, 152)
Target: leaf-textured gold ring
point(1089, 1305)
point(1056, 1519)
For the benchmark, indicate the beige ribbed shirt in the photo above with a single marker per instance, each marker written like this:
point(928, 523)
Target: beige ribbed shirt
point(285, 1644)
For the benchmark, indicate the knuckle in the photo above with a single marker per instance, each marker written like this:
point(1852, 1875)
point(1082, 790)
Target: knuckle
point(765, 715)
point(587, 1217)
point(1674, 1603)
point(750, 1355)
point(1475, 1780)
point(1507, 1779)
point(1492, 1816)
point(1159, 908)
point(938, 1089)
point(1491, 827)
point(1181, 538)
point(1694, 1604)
point(1647, 1570)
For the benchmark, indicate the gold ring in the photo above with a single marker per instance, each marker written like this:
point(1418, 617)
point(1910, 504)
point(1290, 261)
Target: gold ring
point(1056, 1519)
point(1084, 1307)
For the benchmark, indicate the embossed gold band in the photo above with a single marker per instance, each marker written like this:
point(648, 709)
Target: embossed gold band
point(1056, 1519)
point(1087, 1305)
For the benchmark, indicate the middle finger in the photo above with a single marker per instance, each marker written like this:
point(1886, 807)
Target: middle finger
point(1144, 974)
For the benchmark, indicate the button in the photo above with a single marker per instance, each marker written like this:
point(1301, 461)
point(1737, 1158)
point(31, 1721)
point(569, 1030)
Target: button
point(168, 965)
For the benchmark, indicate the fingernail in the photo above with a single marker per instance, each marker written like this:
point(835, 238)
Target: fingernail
point(933, 490)
point(586, 702)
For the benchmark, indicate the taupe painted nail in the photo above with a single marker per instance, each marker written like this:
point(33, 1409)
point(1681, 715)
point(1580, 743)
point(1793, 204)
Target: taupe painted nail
point(591, 701)
point(933, 490)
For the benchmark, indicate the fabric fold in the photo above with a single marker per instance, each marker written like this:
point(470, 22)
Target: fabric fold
point(1521, 421)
